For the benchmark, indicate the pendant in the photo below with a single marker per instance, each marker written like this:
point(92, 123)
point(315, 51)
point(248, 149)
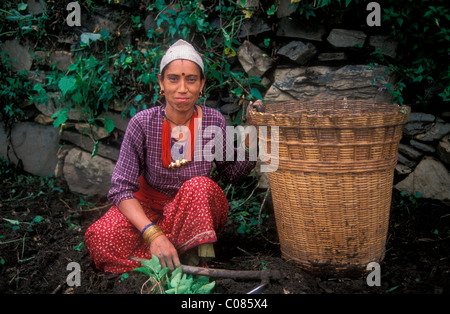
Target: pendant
point(178, 163)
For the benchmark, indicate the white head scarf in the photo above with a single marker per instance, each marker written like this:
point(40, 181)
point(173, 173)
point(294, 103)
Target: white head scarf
point(181, 50)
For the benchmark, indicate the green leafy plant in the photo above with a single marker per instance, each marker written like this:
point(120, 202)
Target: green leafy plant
point(162, 281)
point(87, 89)
point(15, 224)
point(422, 30)
point(410, 202)
point(245, 207)
point(16, 21)
point(218, 44)
point(14, 89)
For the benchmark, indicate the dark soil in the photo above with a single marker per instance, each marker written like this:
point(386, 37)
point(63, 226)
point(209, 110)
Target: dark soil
point(34, 257)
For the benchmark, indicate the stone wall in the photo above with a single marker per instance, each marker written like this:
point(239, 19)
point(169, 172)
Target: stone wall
point(304, 61)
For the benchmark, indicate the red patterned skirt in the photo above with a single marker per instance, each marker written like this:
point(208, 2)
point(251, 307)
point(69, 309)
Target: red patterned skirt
point(193, 217)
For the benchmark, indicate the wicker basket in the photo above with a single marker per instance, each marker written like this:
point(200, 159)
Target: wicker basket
point(333, 186)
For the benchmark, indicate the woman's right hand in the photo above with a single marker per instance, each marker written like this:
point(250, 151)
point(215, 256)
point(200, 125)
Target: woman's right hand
point(162, 248)
point(257, 106)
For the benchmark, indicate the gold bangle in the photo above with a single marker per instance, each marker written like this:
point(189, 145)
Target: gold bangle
point(149, 239)
point(154, 236)
point(152, 233)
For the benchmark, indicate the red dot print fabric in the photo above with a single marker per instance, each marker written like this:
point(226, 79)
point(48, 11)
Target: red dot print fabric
point(194, 216)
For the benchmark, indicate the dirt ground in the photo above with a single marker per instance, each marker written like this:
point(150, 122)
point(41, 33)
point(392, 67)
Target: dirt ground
point(41, 233)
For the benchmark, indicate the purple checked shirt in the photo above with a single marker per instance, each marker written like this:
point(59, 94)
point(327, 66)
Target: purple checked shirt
point(140, 154)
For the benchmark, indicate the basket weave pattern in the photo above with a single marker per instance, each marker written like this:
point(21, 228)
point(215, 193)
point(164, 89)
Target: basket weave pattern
point(332, 190)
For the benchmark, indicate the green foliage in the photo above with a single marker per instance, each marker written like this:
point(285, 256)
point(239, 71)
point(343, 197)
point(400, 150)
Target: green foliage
point(15, 224)
point(110, 71)
point(410, 202)
point(87, 87)
point(245, 214)
point(175, 282)
point(423, 32)
point(245, 206)
point(14, 89)
point(218, 44)
point(16, 21)
point(20, 183)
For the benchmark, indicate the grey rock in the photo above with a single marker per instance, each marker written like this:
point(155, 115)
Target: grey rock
point(43, 119)
point(431, 178)
point(323, 82)
point(285, 8)
point(36, 77)
point(19, 55)
point(98, 132)
point(86, 143)
point(3, 140)
point(120, 122)
point(87, 175)
point(405, 161)
point(229, 108)
point(298, 52)
point(421, 117)
point(104, 18)
point(402, 169)
point(438, 131)
point(254, 26)
point(332, 56)
point(343, 38)
point(149, 23)
point(36, 7)
point(443, 149)
point(409, 151)
point(54, 103)
point(414, 128)
point(418, 122)
point(34, 144)
point(384, 44)
point(289, 27)
point(421, 146)
point(61, 155)
point(62, 59)
point(254, 61)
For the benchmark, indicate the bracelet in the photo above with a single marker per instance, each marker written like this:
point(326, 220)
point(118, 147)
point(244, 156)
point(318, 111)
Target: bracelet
point(145, 228)
point(151, 233)
point(153, 236)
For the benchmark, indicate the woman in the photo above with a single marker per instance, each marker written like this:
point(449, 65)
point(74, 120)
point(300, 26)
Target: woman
point(164, 202)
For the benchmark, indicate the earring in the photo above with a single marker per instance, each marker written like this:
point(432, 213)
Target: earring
point(161, 92)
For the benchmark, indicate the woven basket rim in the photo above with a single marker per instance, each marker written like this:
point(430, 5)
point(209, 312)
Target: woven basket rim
point(329, 109)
